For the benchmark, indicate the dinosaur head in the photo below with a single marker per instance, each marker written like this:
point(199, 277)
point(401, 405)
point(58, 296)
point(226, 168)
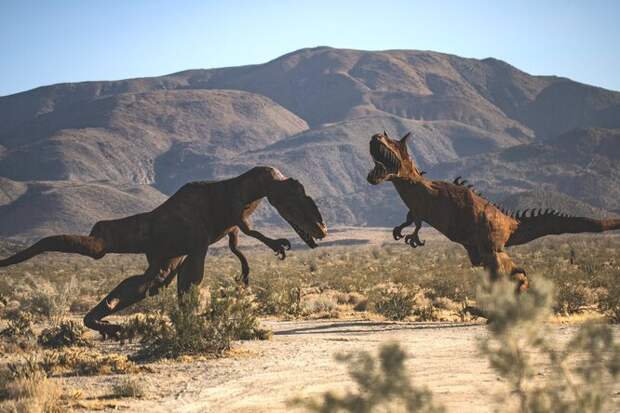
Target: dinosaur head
point(391, 159)
point(289, 197)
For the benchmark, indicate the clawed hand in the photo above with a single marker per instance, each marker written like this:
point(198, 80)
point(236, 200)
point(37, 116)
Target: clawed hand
point(397, 233)
point(413, 240)
point(279, 246)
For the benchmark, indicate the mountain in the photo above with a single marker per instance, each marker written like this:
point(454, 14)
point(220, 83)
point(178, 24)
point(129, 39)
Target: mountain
point(74, 153)
point(583, 164)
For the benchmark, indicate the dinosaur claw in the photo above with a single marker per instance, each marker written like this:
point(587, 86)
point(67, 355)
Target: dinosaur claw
point(280, 246)
point(396, 233)
point(414, 241)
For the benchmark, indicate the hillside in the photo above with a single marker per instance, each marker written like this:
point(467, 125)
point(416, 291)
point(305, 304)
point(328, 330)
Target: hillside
point(583, 164)
point(309, 113)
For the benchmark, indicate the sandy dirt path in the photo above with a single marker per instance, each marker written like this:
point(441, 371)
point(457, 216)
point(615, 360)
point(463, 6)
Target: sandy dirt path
point(299, 361)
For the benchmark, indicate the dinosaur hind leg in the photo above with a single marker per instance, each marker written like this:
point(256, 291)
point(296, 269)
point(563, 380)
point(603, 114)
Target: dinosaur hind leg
point(192, 272)
point(233, 244)
point(499, 264)
point(130, 291)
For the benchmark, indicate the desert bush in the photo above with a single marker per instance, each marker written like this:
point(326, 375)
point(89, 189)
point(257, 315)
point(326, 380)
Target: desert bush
point(145, 327)
point(161, 302)
point(233, 310)
point(80, 361)
point(580, 371)
point(450, 284)
point(572, 297)
point(192, 327)
point(18, 334)
point(49, 301)
point(280, 297)
point(393, 301)
point(609, 299)
point(128, 387)
point(361, 305)
point(320, 304)
point(25, 388)
point(66, 333)
point(382, 386)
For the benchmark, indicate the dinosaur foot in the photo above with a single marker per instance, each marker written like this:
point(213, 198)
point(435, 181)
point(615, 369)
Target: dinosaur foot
point(413, 240)
point(109, 331)
point(243, 279)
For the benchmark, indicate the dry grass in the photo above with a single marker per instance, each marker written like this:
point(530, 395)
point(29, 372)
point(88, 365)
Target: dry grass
point(25, 388)
point(128, 387)
point(393, 281)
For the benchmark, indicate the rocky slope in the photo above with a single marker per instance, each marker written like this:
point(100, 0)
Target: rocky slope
point(74, 153)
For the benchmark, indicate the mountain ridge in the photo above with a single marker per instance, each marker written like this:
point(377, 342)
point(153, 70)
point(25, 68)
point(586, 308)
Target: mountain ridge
point(310, 113)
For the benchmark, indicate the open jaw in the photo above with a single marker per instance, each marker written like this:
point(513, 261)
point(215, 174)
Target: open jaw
point(386, 162)
point(308, 239)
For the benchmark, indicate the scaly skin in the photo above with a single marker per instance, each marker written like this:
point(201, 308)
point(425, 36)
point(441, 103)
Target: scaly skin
point(465, 217)
point(176, 235)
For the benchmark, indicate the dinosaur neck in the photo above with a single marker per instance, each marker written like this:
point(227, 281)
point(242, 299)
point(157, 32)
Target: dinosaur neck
point(412, 182)
point(258, 183)
point(413, 190)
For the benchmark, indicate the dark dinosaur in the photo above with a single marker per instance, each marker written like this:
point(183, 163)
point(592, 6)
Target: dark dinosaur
point(464, 216)
point(176, 235)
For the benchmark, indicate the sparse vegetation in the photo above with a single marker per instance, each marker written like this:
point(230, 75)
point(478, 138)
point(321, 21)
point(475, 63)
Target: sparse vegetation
point(579, 372)
point(193, 327)
point(393, 281)
point(66, 333)
point(25, 388)
point(128, 387)
point(18, 333)
point(80, 361)
point(393, 301)
point(383, 385)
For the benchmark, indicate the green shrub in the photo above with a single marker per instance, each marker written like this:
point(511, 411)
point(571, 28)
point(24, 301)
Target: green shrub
point(609, 300)
point(191, 327)
point(233, 311)
point(393, 301)
point(67, 333)
point(571, 298)
point(382, 386)
point(18, 334)
point(279, 297)
point(580, 371)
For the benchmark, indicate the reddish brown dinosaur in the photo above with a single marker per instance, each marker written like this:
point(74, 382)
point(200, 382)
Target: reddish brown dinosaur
point(464, 216)
point(176, 235)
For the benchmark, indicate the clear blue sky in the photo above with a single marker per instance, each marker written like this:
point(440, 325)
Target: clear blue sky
point(45, 42)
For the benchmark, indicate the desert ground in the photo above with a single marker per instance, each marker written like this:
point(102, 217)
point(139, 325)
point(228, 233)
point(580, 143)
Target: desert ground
point(333, 314)
point(263, 376)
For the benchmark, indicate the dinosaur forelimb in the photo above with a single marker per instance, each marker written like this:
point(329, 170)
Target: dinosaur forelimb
point(397, 231)
point(413, 239)
point(279, 246)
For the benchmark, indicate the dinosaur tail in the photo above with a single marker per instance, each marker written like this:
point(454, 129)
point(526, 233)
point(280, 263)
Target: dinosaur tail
point(550, 223)
point(77, 244)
